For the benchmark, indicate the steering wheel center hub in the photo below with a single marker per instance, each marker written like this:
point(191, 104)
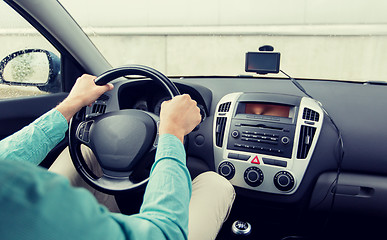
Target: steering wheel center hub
point(120, 139)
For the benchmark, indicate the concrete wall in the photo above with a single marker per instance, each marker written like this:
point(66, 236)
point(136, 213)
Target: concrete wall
point(123, 13)
point(317, 38)
point(345, 57)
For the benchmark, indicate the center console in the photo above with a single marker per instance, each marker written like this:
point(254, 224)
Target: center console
point(264, 141)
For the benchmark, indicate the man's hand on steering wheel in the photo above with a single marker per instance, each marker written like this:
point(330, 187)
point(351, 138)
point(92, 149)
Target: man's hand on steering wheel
point(179, 116)
point(83, 93)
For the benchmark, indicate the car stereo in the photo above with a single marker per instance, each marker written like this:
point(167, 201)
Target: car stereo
point(263, 127)
point(264, 141)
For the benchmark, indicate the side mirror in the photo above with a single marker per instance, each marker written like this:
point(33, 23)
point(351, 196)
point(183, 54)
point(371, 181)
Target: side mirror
point(32, 67)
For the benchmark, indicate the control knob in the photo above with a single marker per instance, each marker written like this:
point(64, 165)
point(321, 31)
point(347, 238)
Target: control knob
point(227, 170)
point(253, 176)
point(235, 134)
point(285, 140)
point(284, 181)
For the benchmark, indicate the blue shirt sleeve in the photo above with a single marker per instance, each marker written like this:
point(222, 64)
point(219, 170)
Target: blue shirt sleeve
point(36, 204)
point(166, 200)
point(35, 141)
point(165, 208)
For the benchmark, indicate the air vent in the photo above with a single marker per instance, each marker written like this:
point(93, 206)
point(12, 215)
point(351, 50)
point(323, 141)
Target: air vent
point(305, 141)
point(311, 115)
point(98, 108)
point(219, 134)
point(224, 107)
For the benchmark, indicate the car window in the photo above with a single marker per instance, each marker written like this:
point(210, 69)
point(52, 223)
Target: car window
point(31, 65)
point(317, 39)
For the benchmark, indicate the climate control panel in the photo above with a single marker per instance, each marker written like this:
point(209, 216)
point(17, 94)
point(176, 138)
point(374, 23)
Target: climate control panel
point(253, 176)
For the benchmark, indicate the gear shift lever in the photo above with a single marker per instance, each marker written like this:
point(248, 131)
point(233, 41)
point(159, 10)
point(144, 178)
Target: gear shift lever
point(241, 228)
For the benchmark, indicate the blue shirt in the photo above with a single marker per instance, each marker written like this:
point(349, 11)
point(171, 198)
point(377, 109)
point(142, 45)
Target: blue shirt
point(37, 204)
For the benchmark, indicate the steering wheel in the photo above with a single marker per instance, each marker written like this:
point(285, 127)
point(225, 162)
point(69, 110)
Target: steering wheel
point(118, 139)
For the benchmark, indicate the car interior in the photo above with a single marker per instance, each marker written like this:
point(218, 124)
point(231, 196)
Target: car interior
point(307, 157)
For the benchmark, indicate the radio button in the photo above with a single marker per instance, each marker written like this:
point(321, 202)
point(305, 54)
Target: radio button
point(238, 156)
point(233, 155)
point(243, 157)
point(285, 140)
point(280, 163)
point(235, 134)
point(269, 142)
point(274, 162)
point(268, 161)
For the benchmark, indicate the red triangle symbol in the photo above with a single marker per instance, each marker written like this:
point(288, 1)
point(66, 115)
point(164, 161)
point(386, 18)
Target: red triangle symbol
point(256, 160)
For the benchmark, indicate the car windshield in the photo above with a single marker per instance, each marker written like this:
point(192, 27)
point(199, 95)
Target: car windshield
point(317, 39)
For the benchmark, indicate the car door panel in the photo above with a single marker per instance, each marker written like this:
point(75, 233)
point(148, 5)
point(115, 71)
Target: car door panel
point(17, 113)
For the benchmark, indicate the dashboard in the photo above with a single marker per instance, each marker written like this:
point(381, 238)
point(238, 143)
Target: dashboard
point(275, 144)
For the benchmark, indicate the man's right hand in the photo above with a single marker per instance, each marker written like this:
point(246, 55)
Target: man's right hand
point(179, 116)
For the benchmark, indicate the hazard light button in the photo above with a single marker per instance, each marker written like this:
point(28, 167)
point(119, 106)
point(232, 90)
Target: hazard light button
point(255, 160)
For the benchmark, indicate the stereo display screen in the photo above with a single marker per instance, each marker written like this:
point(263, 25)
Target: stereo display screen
point(277, 110)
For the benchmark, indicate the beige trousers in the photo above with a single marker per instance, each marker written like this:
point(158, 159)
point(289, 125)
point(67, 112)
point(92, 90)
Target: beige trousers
point(211, 200)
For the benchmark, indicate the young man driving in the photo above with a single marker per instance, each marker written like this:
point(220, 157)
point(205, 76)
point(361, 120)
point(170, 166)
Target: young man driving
point(38, 204)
